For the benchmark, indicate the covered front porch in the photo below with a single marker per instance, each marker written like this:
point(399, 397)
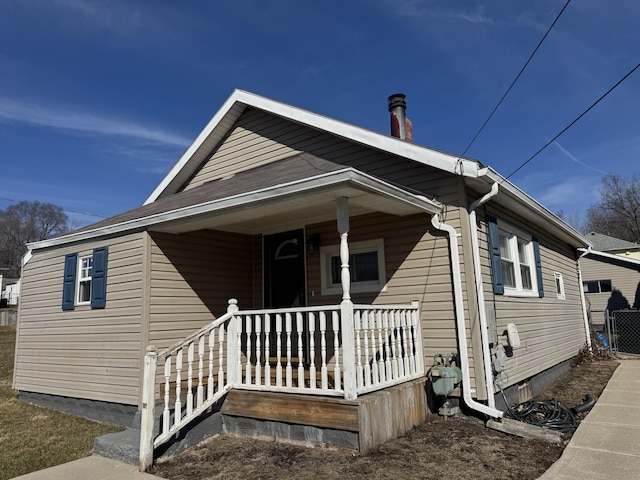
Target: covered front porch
point(323, 352)
point(359, 349)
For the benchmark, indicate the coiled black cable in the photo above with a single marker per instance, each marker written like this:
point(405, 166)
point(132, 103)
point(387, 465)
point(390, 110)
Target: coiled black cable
point(550, 414)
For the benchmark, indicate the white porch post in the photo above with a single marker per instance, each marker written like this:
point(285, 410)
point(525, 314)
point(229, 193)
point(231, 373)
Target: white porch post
point(346, 306)
point(147, 417)
point(233, 375)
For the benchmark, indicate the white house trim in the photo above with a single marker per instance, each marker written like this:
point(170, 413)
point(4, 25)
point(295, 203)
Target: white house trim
point(224, 119)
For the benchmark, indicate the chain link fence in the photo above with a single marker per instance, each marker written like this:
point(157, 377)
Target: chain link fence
point(622, 331)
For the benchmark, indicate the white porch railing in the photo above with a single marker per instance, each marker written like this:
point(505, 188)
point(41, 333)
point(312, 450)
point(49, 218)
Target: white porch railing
point(293, 350)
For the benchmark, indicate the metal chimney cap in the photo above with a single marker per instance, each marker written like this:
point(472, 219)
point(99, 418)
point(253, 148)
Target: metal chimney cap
point(397, 100)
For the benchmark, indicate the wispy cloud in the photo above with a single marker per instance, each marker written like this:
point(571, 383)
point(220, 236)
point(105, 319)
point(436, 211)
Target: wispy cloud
point(123, 19)
point(77, 121)
point(476, 16)
point(571, 194)
point(428, 10)
point(579, 162)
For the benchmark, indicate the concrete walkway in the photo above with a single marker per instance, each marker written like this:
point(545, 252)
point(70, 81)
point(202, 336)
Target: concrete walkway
point(94, 467)
point(607, 442)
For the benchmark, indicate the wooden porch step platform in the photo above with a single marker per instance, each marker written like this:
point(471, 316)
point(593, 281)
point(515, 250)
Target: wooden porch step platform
point(375, 417)
point(317, 411)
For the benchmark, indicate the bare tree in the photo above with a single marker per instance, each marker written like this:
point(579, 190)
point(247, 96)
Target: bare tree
point(575, 220)
point(618, 212)
point(27, 222)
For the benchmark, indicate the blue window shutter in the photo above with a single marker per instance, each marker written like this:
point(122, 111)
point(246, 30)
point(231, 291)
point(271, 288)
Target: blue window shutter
point(69, 281)
point(536, 255)
point(496, 260)
point(99, 277)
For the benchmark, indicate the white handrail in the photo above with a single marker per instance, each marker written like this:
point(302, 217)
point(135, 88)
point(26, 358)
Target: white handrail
point(288, 350)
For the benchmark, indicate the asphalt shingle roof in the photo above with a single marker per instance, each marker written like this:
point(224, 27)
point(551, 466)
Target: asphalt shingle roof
point(605, 243)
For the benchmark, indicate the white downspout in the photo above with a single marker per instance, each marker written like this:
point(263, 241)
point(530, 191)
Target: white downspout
point(482, 312)
point(460, 320)
point(587, 331)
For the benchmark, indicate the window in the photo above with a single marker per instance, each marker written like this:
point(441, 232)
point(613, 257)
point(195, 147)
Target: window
point(85, 271)
point(366, 267)
point(85, 279)
point(559, 285)
point(597, 286)
point(515, 261)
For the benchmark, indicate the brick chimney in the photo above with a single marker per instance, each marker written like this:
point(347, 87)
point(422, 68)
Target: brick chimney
point(401, 126)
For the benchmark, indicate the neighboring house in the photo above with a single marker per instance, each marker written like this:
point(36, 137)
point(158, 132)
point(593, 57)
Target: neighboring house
point(9, 288)
point(353, 257)
point(611, 282)
point(11, 293)
point(615, 246)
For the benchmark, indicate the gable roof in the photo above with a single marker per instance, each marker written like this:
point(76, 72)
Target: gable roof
point(223, 122)
point(477, 176)
point(606, 243)
point(168, 206)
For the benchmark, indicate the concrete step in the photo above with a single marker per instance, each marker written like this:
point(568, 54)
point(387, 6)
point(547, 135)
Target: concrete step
point(122, 446)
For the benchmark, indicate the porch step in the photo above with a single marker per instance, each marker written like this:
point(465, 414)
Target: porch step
point(122, 446)
point(125, 446)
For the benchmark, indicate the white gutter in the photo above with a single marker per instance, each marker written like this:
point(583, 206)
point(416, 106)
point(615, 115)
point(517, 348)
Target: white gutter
point(460, 321)
point(587, 331)
point(486, 354)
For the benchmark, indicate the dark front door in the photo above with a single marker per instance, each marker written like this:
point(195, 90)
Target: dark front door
point(284, 281)
point(284, 286)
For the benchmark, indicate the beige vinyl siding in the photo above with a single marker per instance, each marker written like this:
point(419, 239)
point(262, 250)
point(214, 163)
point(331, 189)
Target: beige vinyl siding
point(84, 353)
point(417, 269)
point(625, 281)
point(551, 330)
point(260, 138)
point(192, 278)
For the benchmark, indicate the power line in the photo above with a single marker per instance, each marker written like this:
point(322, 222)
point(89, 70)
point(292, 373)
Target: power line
point(64, 209)
point(573, 122)
point(514, 80)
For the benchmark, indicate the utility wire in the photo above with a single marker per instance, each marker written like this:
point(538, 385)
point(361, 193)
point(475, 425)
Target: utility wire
point(572, 123)
point(514, 80)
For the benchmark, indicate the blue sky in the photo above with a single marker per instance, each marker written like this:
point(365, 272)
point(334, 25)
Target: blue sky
point(98, 99)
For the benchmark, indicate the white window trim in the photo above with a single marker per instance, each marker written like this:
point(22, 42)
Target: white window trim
point(559, 282)
point(515, 234)
point(80, 279)
point(329, 251)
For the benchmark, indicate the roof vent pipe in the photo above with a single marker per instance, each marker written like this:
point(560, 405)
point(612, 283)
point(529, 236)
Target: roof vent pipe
point(401, 126)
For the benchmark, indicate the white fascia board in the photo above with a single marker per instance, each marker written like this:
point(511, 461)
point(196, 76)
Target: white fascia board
point(270, 193)
point(440, 160)
point(534, 206)
point(188, 154)
point(612, 256)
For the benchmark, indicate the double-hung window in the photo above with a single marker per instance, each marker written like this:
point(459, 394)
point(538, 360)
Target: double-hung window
point(515, 261)
point(85, 279)
point(85, 271)
point(366, 267)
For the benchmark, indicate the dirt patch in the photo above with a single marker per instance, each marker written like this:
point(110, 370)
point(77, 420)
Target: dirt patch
point(459, 447)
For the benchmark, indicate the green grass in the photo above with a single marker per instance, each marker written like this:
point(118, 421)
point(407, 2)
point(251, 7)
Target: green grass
point(31, 437)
